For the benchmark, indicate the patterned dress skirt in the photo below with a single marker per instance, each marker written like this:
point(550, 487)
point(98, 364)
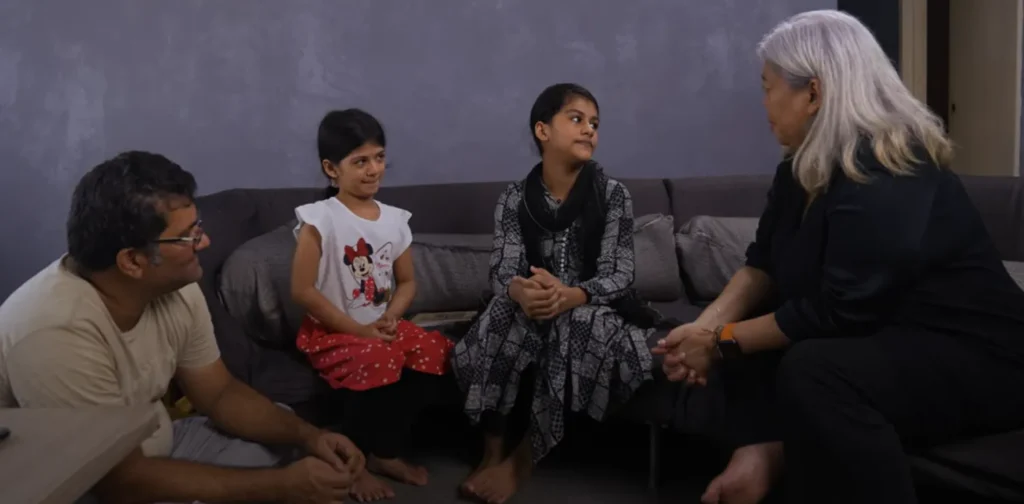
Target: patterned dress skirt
point(587, 360)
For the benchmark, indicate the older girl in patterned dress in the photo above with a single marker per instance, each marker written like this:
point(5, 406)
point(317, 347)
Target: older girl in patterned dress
point(559, 333)
point(353, 272)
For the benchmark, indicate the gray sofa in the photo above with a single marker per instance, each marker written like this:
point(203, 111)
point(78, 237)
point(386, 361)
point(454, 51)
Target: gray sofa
point(245, 283)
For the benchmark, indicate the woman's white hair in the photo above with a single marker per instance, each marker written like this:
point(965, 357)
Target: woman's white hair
point(862, 98)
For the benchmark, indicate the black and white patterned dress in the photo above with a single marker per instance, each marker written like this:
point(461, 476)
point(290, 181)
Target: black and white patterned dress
point(590, 356)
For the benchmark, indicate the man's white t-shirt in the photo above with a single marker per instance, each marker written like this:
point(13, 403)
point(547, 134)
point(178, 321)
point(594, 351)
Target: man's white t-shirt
point(356, 271)
point(60, 348)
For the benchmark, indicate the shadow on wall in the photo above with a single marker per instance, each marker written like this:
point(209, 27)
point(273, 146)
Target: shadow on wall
point(234, 95)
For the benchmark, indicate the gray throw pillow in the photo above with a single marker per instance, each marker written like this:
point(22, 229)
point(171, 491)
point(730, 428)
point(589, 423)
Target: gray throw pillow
point(255, 287)
point(657, 269)
point(711, 250)
point(1016, 271)
point(452, 271)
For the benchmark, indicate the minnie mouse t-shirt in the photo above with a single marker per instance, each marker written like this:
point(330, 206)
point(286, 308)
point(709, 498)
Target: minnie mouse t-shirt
point(357, 261)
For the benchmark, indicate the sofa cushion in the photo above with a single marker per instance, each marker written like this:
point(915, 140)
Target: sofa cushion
point(657, 268)
point(1016, 271)
point(255, 287)
point(711, 250)
point(452, 271)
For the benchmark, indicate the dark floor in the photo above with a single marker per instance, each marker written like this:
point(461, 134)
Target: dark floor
point(597, 464)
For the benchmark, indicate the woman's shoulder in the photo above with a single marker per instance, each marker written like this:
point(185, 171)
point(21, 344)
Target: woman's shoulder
point(322, 205)
point(393, 212)
point(512, 193)
point(611, 184)
point(315, 212)
point(924, 173)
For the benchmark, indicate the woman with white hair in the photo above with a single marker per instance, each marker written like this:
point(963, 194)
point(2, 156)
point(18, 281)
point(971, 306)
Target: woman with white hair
point(890, 318)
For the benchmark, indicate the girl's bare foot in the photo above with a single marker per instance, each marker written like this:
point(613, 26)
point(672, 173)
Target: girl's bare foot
point(398, 470)
point(497, 484)
point(368, 488)
point(493, 448)
point(749, 477)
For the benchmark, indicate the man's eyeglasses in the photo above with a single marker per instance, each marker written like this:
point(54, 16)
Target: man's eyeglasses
point(194, 238)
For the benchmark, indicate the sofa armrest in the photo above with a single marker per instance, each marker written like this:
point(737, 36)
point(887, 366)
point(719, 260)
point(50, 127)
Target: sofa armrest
point(236, 348)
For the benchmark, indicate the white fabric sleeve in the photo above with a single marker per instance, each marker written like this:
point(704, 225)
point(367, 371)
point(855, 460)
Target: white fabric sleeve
point(314, 214)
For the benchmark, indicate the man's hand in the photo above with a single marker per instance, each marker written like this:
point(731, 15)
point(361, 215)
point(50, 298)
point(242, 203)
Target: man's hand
point(337, 450)
point(688, 351)
point(313, 481)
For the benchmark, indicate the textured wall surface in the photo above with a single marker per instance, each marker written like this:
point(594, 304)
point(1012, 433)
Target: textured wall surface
point(233, 90)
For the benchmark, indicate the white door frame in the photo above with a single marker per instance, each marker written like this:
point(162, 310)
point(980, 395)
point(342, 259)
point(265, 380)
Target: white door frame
point(914, 47)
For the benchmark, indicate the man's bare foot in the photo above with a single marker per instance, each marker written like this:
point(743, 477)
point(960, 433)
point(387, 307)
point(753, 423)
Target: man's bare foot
point(398, 470)
point(749, 477)
point(493, 448)
point(368, 488)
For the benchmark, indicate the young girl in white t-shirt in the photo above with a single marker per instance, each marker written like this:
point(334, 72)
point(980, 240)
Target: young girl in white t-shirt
point(353, 273)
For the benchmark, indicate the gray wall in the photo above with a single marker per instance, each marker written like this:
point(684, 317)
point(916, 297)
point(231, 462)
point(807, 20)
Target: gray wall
point(233, 90)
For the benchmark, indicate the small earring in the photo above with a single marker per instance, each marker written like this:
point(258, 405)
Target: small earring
point(334, 183)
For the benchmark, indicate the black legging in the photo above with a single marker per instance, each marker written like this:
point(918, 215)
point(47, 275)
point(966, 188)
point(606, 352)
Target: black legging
point(847, 409)
point(517, 424)
point(378, 420)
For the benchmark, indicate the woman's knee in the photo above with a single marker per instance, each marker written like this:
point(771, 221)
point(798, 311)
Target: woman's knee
point(808, 371)
point(384, 356)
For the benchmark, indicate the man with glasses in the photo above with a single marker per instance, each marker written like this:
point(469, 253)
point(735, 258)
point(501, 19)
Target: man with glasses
point(117, 317)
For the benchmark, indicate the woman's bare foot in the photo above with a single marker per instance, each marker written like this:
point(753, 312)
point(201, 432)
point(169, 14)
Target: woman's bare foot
point(749, 477)
point(493, 448)
point(398, 470)
point(368, 488)
point(497, 484)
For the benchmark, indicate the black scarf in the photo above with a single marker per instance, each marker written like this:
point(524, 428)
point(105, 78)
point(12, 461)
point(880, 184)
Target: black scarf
point(585, 201)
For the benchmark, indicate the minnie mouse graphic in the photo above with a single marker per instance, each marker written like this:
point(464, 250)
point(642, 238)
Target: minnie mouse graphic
point(360, 262)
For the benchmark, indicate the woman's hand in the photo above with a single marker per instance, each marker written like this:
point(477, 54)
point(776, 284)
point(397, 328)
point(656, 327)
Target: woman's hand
point(377, 330)
point(387, 324)
point(571, 297)
point(689, 351)
point(537, 301)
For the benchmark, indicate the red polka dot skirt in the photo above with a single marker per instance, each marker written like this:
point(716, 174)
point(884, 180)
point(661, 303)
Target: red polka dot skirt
point(356, 363)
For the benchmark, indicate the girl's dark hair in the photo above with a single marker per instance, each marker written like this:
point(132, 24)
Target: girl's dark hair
point(343, 131)
point(551, 101)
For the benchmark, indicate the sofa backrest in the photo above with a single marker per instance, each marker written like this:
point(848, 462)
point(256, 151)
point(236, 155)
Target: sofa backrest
point(998, 200)
point(235, 216)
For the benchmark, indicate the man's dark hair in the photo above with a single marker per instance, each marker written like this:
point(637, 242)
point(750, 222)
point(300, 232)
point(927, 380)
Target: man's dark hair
point(119, 204)
point(343, 131)
point(551, 101)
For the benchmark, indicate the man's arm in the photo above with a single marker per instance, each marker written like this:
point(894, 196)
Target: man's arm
point(69, 370)
point(239, 410)
point(140, 479)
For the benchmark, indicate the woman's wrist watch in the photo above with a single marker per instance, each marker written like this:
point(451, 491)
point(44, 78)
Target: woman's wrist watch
point(725, 344)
